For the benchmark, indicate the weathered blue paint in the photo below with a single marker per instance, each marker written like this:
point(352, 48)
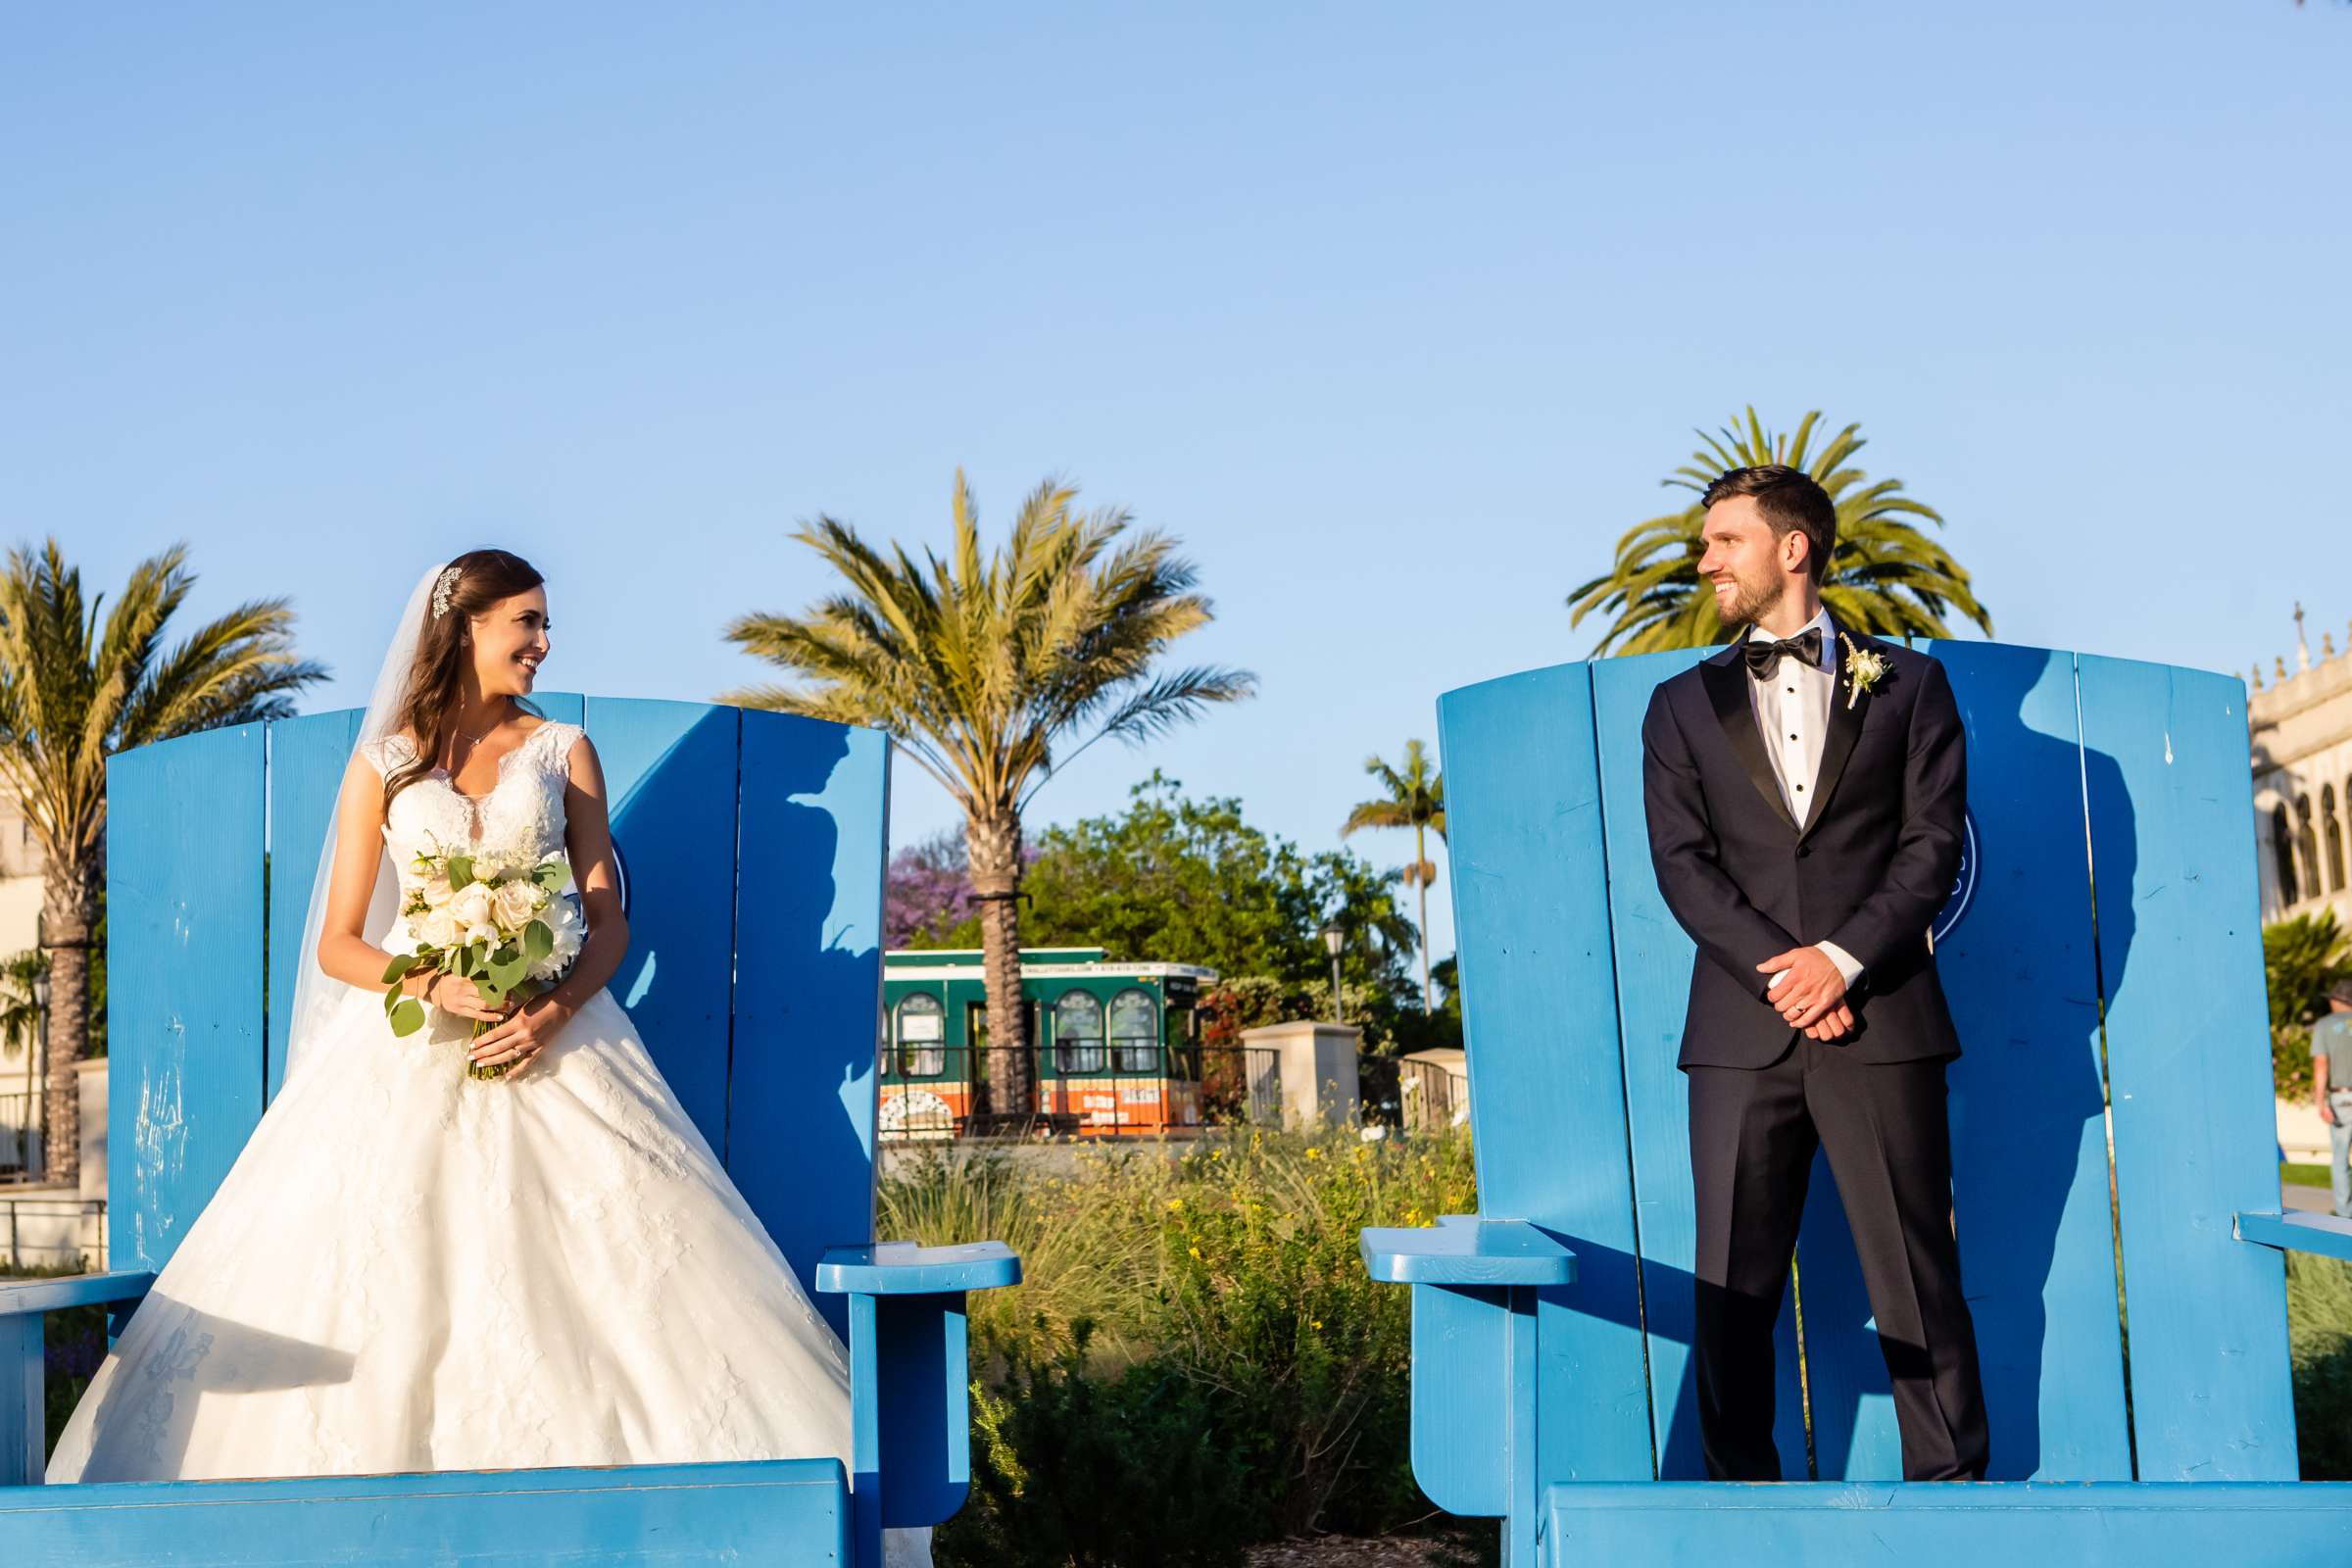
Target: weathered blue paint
point(771, 1511)
point(2188, 1067)
point(1464, 1250)
point(2323, 1234)
point(2089, 778)
point(185, 969)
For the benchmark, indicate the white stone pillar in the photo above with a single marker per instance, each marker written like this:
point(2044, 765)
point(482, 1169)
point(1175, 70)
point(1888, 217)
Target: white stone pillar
point(1318, 1066)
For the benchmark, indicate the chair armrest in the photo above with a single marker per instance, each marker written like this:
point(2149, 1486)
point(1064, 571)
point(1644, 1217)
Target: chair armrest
point(2323, 1234)
point(24, 1304)
point(901, 1268)
point(126, 1287)
point(909, 1376)
point(1466, 1249)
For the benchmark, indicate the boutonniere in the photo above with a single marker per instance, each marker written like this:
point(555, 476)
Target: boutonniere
point(1863, 670)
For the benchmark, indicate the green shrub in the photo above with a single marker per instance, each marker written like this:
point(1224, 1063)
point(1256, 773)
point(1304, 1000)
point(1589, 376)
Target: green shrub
point(2319, 1331)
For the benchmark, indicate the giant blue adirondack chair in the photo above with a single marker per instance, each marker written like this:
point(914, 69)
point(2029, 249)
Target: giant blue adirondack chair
point(762, 1014)
point(1551, 1380)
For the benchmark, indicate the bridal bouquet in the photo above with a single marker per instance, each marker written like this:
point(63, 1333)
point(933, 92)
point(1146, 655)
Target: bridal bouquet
point(499, 923)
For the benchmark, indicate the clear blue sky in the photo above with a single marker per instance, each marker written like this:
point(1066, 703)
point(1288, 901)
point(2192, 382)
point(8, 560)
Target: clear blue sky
point(1395, 315)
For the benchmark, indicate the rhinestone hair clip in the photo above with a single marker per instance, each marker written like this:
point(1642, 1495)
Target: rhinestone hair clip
point(442, 589)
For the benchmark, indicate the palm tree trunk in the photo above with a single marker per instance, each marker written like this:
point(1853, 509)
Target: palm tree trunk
point(68, 912)
point(993, 844)
point(1421, 877)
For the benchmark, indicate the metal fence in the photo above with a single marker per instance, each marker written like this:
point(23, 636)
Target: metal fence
point(20, 1139)
point(935, 1093)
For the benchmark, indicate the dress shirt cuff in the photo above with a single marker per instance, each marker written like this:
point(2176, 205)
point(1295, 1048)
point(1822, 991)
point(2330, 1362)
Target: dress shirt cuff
point(1844, 960)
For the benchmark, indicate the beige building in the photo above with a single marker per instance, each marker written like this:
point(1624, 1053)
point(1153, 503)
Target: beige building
point(20, 865)
point(2301, 721)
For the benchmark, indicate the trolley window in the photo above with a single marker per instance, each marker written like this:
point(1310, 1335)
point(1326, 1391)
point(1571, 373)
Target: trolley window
point(1134, 1031)
point(922, 1036)
point(1078, 1033)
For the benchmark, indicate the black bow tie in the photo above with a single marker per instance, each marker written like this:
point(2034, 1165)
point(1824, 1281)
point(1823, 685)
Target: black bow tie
point(1764, 657)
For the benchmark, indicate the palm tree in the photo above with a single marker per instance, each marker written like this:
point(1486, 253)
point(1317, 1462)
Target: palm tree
point(1415, 799)
point(70, 697)
point(1885, 577)
point(980, 667)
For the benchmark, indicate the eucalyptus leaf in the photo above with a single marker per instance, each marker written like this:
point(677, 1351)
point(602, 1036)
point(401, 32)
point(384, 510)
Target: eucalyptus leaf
point(461, 870)
point(406, 1018)
point(401, 964)
point(538, 940)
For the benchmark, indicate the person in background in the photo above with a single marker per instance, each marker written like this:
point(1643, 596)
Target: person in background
point(2332, 1087)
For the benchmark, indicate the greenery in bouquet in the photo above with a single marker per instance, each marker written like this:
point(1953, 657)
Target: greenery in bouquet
point(502, 923)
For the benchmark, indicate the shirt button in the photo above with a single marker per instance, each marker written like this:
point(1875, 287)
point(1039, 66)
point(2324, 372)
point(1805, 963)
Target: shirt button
point(1800, 789)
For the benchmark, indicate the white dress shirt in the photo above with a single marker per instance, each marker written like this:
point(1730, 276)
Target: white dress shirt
point(1791, 705)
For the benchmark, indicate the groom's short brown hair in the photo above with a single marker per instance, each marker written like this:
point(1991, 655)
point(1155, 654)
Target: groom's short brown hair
point(1789, 500)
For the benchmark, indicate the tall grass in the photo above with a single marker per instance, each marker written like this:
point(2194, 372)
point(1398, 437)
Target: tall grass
point(1196, 1339)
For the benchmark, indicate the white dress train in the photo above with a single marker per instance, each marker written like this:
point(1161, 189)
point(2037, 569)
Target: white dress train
point(409, 1270)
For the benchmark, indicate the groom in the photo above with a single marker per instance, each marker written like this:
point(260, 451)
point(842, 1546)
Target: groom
point(1805, 791)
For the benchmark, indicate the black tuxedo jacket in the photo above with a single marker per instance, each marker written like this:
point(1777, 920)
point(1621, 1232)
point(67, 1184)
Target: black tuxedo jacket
point(1870, 869)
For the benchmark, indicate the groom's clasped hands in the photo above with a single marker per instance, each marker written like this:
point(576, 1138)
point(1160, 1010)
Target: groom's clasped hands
point(1809, 992)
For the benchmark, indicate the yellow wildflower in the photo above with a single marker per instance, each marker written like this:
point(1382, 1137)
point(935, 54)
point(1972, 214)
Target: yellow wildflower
point(1314, 1152)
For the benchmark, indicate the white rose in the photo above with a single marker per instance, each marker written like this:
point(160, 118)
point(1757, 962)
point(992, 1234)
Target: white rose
point(564, 924)
point(516, 903)
point(436, 929)
point(436, 890)
point(471, 906)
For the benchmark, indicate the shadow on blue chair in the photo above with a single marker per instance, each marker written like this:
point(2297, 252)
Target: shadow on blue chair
point(2102, 956)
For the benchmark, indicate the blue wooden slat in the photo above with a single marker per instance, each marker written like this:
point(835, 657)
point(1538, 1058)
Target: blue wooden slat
point(35, 1296)
point(2032, 1209)
point(2323, 1234)
point(925, 1407)
point(671, 788)
point(307, 760)
point(1464, 1433)
point(772, 1511)
point(1653, 992)
point(1547, 1095)
point(23, 1375)
point(184, 968)
point(2189, 1065)
point(815, 820)
point(1704, 1526)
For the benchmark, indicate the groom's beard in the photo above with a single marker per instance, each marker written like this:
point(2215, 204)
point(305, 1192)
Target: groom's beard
point(1749, 602)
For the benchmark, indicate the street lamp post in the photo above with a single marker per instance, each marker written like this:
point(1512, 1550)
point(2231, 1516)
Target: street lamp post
point(1335, 937)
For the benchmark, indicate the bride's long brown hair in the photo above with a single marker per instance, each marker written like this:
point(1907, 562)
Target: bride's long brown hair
point(437, 676)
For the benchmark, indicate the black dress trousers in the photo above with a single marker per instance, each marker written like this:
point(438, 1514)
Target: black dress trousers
point(1753, 1133)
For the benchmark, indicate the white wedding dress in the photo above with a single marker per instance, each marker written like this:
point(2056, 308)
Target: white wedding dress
point(408, 1270)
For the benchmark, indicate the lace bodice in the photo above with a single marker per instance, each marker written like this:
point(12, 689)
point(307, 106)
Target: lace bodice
point(521, 815)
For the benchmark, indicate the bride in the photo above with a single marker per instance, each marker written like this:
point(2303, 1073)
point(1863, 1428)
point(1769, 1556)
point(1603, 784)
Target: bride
point(412, 1269)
